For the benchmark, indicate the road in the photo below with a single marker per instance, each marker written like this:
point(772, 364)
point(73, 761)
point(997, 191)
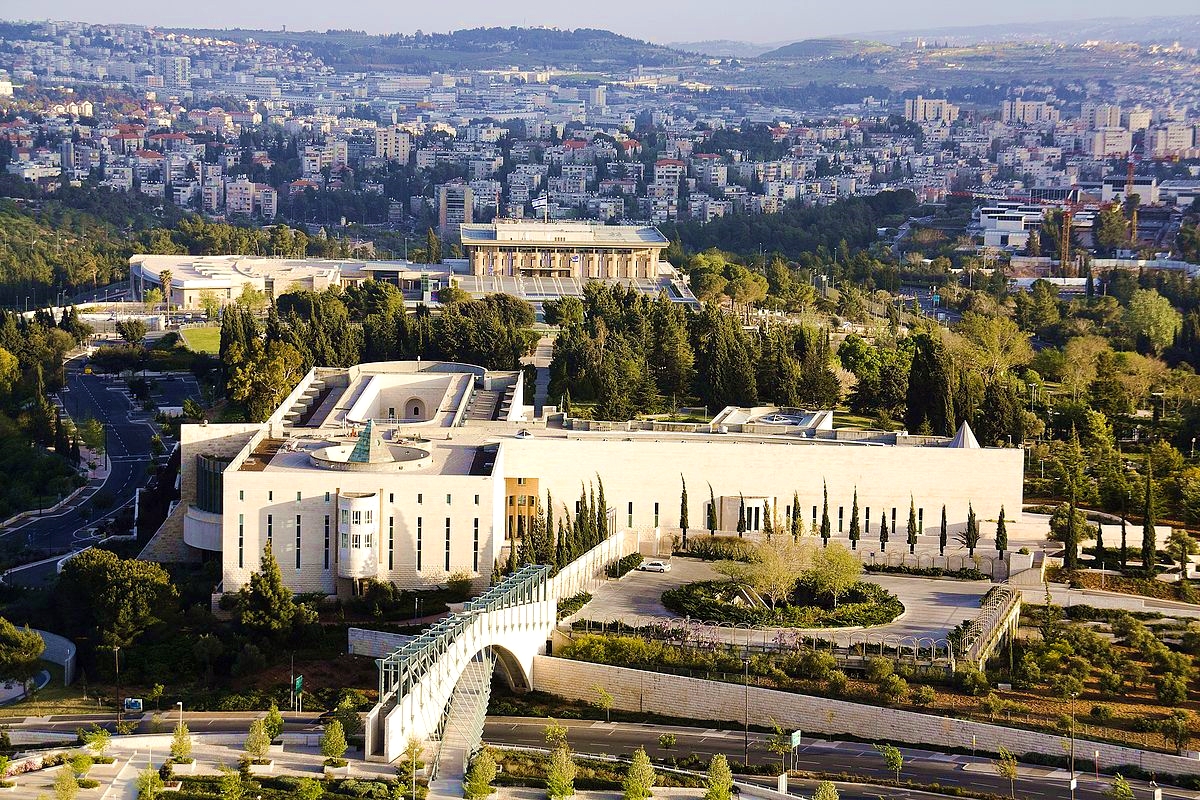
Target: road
point(129, 431)
point(620, 739)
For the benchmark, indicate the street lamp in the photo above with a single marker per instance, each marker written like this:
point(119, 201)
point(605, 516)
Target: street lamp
point(117, 668)
point(1073, 696)
point(746, 707)
point(180, 704)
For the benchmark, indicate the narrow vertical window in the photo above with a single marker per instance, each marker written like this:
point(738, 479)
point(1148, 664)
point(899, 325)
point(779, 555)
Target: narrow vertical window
point(391, 542)
point(241, 540)
point(327, 542)
point(297, 541)
point(841, 516)
point(920, 520)
point(630, 513)
point(447, 566)
point(270, 526)
point(867, 520)
point(475, 547)
point(656, 515)
point(418, 543)
point(893, 518)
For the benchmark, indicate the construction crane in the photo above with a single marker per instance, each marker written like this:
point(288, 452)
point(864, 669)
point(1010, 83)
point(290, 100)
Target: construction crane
point(1133, 208)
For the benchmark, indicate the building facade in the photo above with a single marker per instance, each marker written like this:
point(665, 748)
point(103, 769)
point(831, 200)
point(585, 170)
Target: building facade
point(563, 249)
point(409, 472)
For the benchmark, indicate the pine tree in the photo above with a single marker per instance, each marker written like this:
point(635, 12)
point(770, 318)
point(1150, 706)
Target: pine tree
point(826, 529)
point(942, 534)
point(912, 525)
point(683, 511)
point(265, 605)
point(1001, 533)
point(1071, 538)
point(883, 532)
point(797, 519)
point(433, 248)
point(1148, 523)
point(712, 512)
point(855, 533)
point(640, 777)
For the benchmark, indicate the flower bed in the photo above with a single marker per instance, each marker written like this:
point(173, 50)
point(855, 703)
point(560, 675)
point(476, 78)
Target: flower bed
point(865, 604)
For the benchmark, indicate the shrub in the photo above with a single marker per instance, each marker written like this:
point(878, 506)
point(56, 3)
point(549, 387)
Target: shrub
point(1171, 690)
point(623, 566)
point(1102, 713)
point(459, 586)
point(838, 683)
point(879, 668)
point(811, 664)
point(923, 695)
point(972, 681)
point(720, 548)
point(892, 688)
point(1066, 686)
point(333, 740)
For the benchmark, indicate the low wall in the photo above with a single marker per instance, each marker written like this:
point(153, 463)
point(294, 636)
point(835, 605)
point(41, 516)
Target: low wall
point(695, 698)
point(59, 650)
point(588, 571)
point(376, 644)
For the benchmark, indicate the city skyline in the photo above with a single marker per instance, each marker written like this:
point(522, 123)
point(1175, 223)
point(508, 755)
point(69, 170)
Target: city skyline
point(664, 23)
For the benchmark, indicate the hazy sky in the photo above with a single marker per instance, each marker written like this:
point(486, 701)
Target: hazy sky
point(661, 21)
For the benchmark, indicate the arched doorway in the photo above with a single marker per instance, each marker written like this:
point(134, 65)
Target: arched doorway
point(414, 408)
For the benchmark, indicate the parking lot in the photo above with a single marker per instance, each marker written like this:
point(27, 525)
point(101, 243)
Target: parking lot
point(931, 606)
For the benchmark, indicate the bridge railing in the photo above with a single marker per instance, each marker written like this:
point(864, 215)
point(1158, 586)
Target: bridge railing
point(984, 632)
point(402, 669)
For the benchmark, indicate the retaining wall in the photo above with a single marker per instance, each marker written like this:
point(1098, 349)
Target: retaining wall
point(695, 698)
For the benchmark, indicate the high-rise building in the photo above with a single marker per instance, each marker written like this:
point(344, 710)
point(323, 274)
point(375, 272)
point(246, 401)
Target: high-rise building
point(393, 143)
point(919, 109)
point(1027, 112)
point(454, 205)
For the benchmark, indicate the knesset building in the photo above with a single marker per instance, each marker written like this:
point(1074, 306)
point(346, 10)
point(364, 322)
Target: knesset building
point(410, 471)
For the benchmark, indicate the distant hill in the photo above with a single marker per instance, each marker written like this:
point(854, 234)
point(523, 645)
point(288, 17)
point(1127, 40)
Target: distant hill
point(823, 48)
point(477, 48)
point(726, 48)
point(1145, 30)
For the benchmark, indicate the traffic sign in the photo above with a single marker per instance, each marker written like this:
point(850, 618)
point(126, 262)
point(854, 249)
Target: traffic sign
point(795, 739)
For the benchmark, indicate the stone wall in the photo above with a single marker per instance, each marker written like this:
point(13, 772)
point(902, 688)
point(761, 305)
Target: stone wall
point(695, 698)
point(376, 644)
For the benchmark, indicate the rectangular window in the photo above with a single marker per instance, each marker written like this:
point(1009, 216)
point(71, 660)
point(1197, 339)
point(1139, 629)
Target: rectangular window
point(656, 515)
point(391, 497)
point(356, 517)
point(814, 525)
point(867, 520)
point(418, 542)
point(369, 516)
point(391, 542)
point(297, 497)
point(369, 540)
point(241, 494)
point(476, 499)
point(475, 547)
point(356, 539)
point(297, 541)
point(920, 520)
point(447, 499)
point(631, 513)
point(420, 498)
point(327, 497)
point(241, 539)
point(270, 527)
point(344, 539)
point(757, 514)
point(345, 517)
point(326, 541)
point(270, 496)
point(893, 518)
point(447, 567)
point(520, 481)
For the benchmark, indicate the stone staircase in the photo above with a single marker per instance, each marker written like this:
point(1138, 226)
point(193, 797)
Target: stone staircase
point(483, 404)
point(298, 413)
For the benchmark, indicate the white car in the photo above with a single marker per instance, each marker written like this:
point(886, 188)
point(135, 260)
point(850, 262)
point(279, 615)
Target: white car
point(655, 566)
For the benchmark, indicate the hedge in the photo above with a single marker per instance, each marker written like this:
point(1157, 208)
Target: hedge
point(864, 604)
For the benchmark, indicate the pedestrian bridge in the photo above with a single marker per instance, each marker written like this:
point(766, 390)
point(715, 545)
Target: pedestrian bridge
point(435, 687)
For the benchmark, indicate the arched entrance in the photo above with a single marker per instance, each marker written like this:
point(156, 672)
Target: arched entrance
point(414, 408)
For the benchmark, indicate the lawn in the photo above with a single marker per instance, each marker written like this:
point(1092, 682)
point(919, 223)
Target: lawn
point(55, 699)
point(203, 340)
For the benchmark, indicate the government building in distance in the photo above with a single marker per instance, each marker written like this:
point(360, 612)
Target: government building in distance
point(409, 472)
point(580, 250)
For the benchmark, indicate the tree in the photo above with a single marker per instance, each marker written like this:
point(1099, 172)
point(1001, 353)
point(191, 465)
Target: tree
point(893, 759)
point(258, 741)
point(265, 604)
point(640, 777)
point(1177, 728)
point(604, 702)
point(1151, 318)
point(968, 537)
point(165, 277)
point(912, 525)
point(718, 785)
point(741, 523)
point(97, 739)
point(560, 773)
point(210, 304)
point(1119, 789)
point(274, 722)
point(181, 743)
point(994, 344)
point(883, 532)
point(826, 528)
point(66, 785)
point(825, 790)
point(942, 531)
point(478, 784)
point(1001, 533)
point(132, 330)
point(117, 598)
point(855, 531)
point(1148, 535)
point(797, 518)
point(333, 740)
point(1006, 767)
point(779, 564)
point(555, 734)
point(20, 651)
point(683, 510)
point(712, 512)
point(433, 248)
point(835, 570)
point(310, 789)
point(232, 787)
point(666, 741)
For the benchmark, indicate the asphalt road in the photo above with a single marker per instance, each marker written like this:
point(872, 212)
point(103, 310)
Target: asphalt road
point(620, 739)
point(129, 432)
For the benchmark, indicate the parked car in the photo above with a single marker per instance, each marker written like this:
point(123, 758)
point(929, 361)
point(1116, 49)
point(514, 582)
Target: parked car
point(655, 566)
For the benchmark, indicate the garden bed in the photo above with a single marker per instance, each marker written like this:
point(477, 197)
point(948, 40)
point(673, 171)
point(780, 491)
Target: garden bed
point(865, 604)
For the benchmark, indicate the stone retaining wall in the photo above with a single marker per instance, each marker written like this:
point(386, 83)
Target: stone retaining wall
point(695, 698)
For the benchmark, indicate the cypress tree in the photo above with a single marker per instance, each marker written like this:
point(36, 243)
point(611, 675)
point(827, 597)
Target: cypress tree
point(826, 529)
point(972, 533)
point(1148, 523)
point(551, 547)
point(1124, 548)
point(942, 533)
point(797, 519)
point(1071, 538)
point(741, 526)
point(883, 532)
point(912, 524)
point(683, 511)
point(855, 533)
point(1001, 533)
point(601, 513)
point(712, 512)
point(768, 526)
point(1100, 545)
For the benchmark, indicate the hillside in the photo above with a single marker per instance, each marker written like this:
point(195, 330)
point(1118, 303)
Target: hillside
point(582, 49)
point(824, 48)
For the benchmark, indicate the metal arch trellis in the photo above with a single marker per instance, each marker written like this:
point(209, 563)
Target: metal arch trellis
point(402, 669)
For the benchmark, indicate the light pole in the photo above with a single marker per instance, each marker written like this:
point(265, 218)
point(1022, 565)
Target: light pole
point(180, 704)
point(746, 708)
point(117, 668)
point(1073, 696)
